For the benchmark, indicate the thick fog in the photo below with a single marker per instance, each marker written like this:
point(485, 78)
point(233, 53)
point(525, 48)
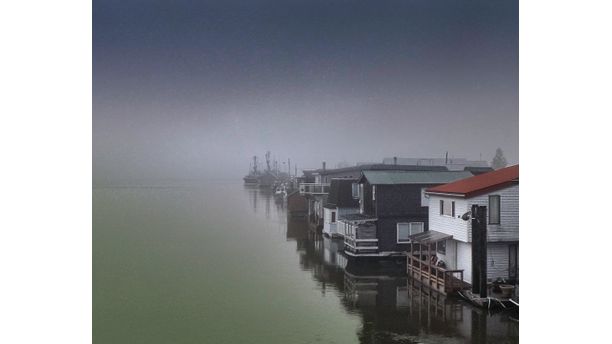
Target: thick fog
point(194, 89)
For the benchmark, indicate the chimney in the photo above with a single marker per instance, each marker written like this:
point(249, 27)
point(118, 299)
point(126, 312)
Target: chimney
point(394, 160)
point(323, 165)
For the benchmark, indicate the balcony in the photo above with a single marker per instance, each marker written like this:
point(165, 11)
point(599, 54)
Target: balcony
point(360, 239)
point(314, 188)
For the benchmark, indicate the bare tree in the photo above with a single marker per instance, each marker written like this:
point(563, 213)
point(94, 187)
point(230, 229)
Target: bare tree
point(499, 160)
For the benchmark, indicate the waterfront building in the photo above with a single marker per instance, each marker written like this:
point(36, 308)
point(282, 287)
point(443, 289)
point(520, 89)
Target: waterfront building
point(449, 205)
point(392, 206)
point(340, 202)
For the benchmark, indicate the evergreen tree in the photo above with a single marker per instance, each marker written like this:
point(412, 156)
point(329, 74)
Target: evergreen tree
point(499, 160)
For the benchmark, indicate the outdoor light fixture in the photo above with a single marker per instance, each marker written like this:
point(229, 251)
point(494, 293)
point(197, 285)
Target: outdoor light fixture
point(467, 216)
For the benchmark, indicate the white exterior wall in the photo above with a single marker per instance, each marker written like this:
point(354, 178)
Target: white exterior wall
point(333, 229)
point(450, 257)
point(507, 230)
point(497, 260)
point(464, 260)
point(460, 257)
point(328, 226)
point(454, 226)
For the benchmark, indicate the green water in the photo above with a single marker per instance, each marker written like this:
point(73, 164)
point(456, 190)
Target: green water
point(219, 263)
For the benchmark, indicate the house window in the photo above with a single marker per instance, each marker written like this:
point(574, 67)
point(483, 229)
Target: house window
point(333, 215)
point(405, 230)
point(494, 209)
point(355, 190)
point(373, 192)
point(416, 227)
point(361, 202)
point(442, 247)
point(447, 208)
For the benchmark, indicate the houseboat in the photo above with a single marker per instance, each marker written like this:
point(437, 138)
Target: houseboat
point(392, 206)
point(449, 213)
point(317, 189)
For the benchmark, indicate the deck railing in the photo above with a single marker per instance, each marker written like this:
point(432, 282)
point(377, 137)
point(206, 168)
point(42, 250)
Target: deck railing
point(314, 188)
point(360, 240)
point(435, 277)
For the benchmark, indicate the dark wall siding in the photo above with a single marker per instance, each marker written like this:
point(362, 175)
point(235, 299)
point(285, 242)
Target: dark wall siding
point(387, 232)
point(367, 196)
point(400, 200)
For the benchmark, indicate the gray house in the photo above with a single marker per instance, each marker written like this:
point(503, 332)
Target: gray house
point(392, 206)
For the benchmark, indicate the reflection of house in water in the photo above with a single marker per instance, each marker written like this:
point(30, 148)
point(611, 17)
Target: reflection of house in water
point(332, 252)
point(392, 310)
point(395, 310)
point(322, 256)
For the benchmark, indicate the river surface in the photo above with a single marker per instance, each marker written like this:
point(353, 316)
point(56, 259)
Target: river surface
point(217, 262)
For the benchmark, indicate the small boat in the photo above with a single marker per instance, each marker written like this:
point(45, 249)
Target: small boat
point(250, 180)
point(489, 303)
point(280, 191)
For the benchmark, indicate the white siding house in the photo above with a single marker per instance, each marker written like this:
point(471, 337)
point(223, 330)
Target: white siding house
point(449, 202)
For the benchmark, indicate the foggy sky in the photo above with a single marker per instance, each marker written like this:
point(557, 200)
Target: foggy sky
point(193, 89)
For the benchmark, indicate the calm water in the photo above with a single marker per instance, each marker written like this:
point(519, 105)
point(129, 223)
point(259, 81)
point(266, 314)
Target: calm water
point(220, 263)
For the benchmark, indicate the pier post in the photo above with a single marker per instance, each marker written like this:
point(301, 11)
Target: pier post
point(479, 250)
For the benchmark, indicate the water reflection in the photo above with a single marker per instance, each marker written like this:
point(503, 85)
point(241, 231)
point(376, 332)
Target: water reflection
point(392, 308)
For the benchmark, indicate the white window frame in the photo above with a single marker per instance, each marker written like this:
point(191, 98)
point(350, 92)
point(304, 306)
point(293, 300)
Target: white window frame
point(410, 224)
point(452, 208)
point(361, 199)
point(355, 190)
point(410, 231)
point(397, 227)
point(498, 210)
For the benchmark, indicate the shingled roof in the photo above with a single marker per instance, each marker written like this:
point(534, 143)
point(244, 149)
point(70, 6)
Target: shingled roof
point(479, 184)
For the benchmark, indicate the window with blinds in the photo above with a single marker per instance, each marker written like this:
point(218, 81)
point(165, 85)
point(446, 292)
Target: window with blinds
point(447, 208)
point(494, 209)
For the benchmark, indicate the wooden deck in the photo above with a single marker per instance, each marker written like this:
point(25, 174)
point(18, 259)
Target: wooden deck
point(441, 280)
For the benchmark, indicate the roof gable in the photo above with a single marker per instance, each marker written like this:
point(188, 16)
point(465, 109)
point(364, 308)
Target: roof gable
point(479, 184)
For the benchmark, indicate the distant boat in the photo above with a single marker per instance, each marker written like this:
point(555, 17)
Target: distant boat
point(253, 177)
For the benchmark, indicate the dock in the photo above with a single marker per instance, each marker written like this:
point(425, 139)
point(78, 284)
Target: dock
point(420, 264)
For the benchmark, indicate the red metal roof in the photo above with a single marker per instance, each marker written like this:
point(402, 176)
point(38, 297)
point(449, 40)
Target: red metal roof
point(479, 184)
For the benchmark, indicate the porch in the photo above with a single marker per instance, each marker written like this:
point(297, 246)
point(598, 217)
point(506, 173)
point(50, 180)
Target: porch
point(314, 188)
point(422, 266)
point(360, 235)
